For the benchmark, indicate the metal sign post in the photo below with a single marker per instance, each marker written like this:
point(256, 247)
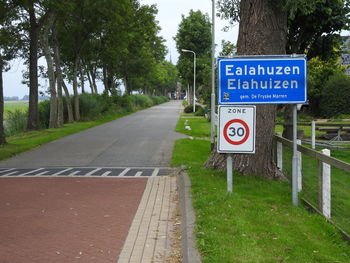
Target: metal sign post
point(229, 168)
point(236, 134)
point(295, 159)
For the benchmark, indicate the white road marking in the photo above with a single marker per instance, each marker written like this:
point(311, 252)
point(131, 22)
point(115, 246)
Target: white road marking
point(92, 172)
point(138, 174)
point(155, 172)
point(61, 172)
point(106, 173)
point(6, 170)
point(32, 171)
point(42, 173)
point(74, 173)
point(10, 173)
point(124, 172)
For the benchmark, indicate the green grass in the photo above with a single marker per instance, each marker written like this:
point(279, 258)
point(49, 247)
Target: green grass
point(28, 140)
point(14, 105)
point(200, 127)
point(257, 222)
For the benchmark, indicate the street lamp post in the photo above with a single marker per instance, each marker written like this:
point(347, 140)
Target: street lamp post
point(194, 76)
point(212, 106)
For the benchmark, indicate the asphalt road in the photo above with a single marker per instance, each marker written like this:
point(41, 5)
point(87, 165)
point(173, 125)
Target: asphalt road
point(142, 139)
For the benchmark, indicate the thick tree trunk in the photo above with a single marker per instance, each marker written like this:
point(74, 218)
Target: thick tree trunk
point(262, 31)
point(33, 114)
point(75, 89)
point(2, 132)
point(50, 71)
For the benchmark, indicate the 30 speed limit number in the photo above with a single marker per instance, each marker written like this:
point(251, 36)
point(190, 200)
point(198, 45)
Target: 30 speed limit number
point(236, 129)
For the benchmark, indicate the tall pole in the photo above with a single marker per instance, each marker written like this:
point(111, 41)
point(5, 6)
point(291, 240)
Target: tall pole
point(212, 106)
point(295, 159)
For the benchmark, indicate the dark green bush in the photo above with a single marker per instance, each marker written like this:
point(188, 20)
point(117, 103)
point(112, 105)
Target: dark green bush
point(44, 114)
point(141, 101)
point(200, 111)
point(335, 98)
point(93, 105)
point(189, 109)
point(158, 99)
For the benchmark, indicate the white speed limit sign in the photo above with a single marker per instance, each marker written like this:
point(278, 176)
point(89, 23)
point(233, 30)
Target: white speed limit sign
point(236, 129)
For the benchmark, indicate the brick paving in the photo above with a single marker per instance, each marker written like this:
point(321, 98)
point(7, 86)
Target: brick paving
point(149, 238)
point(66, 220)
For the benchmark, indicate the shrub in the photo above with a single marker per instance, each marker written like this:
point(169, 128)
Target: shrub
point(158, 99)
point(141, 101)
point(335, 98)
point(44, 114)
point(16, 122)
point(200, 111)
point(93, 105)
point(189, 108)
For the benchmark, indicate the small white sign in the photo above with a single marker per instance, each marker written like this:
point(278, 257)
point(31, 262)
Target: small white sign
point(236, 129)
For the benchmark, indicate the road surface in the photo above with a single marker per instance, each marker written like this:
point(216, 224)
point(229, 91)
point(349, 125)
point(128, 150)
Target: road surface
point(74, 199)
point(142, 139)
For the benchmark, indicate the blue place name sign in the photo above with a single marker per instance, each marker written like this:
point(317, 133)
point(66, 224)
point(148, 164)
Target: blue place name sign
point(262, 80)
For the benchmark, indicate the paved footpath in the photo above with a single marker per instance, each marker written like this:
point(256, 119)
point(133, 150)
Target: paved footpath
point(103, 195)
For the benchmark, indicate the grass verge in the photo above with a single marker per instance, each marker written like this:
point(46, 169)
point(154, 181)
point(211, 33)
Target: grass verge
point(200, 127)
point(29, 140)
point(257, 222)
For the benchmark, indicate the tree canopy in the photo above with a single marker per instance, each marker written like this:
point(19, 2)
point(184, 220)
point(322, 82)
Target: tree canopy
point(115, 42)
point(313, 26)
point(194, 33)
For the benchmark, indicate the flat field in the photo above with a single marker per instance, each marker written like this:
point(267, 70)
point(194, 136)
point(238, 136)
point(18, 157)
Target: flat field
point(15, 105)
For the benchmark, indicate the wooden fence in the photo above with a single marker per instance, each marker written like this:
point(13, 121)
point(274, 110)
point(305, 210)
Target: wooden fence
point(324, 177)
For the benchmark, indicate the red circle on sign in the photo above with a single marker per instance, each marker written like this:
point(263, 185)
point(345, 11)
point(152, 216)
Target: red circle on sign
point(244, 124)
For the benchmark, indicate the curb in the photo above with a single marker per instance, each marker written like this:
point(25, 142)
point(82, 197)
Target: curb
point(189, 250)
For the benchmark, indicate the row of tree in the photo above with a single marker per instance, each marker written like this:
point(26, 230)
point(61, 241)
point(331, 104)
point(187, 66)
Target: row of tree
point(114, 41)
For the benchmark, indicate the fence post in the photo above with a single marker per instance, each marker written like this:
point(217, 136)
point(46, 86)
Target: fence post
point(279, 153)
point(325, 186)
point(313, 134)
point(300, 166)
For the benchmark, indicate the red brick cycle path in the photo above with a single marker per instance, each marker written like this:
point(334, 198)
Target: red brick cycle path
point(64, 220)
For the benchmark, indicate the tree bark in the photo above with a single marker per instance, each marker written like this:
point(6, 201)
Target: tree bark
point(75, 89)
point(50, 71)
point(61, 84)
point(33, 114)
point(262, 31)
point(90, 82)
point(2, 131)
point(82, 84)
point(59, 79)
point(68, 102)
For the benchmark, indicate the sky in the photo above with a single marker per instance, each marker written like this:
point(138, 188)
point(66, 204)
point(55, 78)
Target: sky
point(169, 17)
